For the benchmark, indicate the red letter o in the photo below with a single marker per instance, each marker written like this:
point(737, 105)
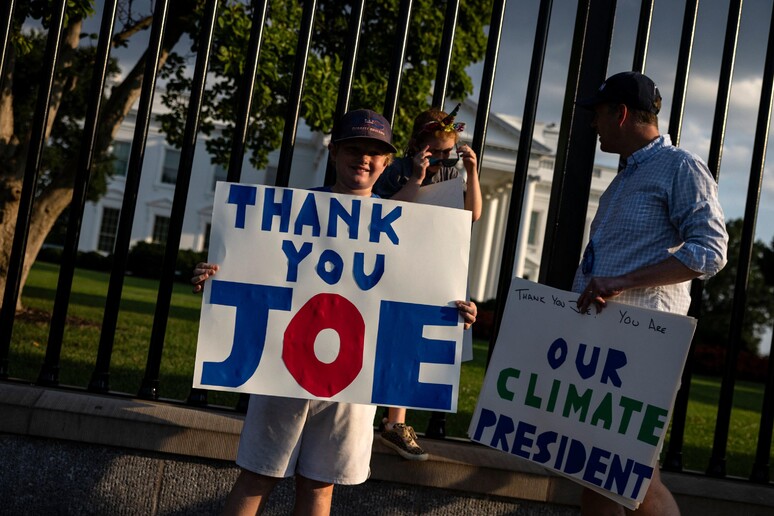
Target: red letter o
point(324, 311)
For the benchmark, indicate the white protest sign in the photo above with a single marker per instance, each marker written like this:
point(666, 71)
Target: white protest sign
point(336, 297)
point(446, 193)
point(588, 396)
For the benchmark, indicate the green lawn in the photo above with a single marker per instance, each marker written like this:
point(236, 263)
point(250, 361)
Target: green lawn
point(130, 351)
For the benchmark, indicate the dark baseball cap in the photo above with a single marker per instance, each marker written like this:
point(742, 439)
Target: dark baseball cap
point(364, 123)
point(634, 89)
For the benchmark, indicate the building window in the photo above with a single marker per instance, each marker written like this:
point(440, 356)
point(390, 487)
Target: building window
point(547, 163)
point(597, 172)
point(221, 174)
point(534, 221)
point(160, 229)
point(171, 164)
point(120, 152)
point(108, 229)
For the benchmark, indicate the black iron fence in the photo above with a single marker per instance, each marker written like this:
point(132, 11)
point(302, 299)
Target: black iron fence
point(591, 43)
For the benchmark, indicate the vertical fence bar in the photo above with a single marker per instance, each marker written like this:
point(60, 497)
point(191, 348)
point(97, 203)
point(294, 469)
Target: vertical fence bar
point(571, 182)
point(246, 88)
point(347, 73)
point(522, 167)
point(100, 377)
point(445, 53)
point(6, 22)
point(717, 462)
point(31, 172)
point(396, 71)
point(643, 36)
point(673, 459)
point(150, 383)
point(760, 472)
point(760, 469)
point(488, 79)
point(296, 91)
point(49, 373)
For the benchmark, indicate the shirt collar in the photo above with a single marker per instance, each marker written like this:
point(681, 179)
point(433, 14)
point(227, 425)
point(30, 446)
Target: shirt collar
point(648, 151)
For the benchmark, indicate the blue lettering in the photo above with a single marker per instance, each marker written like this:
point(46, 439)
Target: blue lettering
point(557, 353)
point(272, 209)
point(642, 471)
point(614, 361)
point(332, 276)
point(586, 371)
point(252, 303)
point(595, 465)
point(384, 225)
point(576, 458)
point(307, 216)
point(500, 437)
point(543, 455)
point(367, 282)
point(295, 257)
point(522, 439)
point(486, 419)
point(242, 196)
point(352, 220)
point(618, 474)
point(400, 349)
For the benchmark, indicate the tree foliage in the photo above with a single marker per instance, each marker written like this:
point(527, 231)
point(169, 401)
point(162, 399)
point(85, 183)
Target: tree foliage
point(718, 296)
point(377, 48)
point(63, 137)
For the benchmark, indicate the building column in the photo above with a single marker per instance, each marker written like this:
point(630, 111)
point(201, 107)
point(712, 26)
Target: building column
point(526, 220)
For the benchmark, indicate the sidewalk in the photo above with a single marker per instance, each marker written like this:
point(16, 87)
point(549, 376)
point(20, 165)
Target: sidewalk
point(70, 452)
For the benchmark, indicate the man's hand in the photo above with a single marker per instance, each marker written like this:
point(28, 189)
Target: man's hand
point(597, 291)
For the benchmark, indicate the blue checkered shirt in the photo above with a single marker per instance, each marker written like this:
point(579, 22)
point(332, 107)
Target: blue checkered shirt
point(663, 203)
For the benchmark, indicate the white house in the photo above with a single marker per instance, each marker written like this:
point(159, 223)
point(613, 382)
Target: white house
point(157, 183)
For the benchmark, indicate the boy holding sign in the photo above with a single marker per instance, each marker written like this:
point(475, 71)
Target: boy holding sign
point(318, 442)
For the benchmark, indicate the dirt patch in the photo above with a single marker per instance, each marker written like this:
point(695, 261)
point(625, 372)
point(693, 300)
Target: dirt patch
point(35, 316)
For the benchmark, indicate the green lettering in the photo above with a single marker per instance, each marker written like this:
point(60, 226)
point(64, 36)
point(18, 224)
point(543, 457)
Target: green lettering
point(629, 405)
point(650, 422)
point(577, 403)
point(502, 382)
point(531, 400)
point(604, 412)
point(554, 394)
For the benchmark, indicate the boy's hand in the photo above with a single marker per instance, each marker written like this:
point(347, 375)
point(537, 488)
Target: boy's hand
point(468, 311)
point(202, 272)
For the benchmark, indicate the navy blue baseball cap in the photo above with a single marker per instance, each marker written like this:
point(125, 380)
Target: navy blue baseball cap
point(364, 123)
point(634, 89)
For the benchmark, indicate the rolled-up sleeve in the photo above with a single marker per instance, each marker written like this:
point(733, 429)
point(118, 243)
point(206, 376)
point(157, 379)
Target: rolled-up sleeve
point(695, 210)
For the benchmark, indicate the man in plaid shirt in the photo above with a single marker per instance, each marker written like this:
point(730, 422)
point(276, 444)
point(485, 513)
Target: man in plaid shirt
point(659, 225)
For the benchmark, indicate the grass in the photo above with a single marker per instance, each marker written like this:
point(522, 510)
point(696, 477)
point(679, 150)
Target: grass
point(132, 337)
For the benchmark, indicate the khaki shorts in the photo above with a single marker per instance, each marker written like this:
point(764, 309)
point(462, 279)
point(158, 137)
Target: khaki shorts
point(320, 440)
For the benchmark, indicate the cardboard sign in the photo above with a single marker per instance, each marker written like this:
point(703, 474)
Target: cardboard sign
point(588, 396)
point(336, 297)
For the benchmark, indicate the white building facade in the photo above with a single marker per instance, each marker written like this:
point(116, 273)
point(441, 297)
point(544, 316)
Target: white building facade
point(160, 165)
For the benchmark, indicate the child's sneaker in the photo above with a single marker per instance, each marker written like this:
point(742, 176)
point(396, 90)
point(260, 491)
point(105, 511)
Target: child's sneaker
point(403, 440)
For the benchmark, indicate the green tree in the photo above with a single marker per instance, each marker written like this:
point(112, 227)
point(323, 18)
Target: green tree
point(63, 133)
point(718, 295)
